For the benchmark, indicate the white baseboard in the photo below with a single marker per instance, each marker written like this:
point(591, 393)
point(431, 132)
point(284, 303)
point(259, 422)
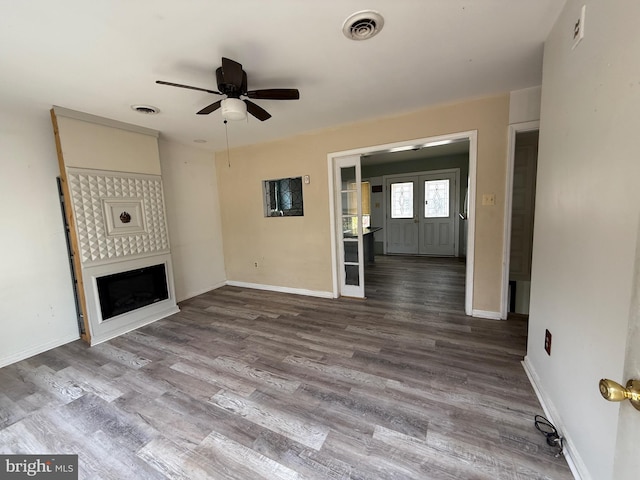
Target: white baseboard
point(273, 288)
point(486, 314)
point(37, 349)
point(189, 295)
point(577, 466)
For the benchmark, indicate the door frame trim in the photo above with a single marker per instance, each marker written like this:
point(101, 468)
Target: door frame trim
point(514, 129)
point(472, 137)
point(343, 288)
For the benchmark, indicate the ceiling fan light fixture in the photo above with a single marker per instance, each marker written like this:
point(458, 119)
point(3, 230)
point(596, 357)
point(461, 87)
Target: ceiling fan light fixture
point(362, 25)
point(233, 109)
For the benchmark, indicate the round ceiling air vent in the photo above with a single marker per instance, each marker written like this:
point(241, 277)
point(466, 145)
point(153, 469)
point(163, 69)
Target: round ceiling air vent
point(146, 109)
point(362, 25)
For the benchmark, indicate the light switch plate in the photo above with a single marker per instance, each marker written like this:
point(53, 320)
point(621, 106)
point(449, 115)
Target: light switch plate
point(547, 342)
point(578, 27)
point(489, 199)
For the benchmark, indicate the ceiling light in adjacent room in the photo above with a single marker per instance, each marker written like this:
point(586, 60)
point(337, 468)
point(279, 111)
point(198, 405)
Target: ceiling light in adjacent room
point(436, 143)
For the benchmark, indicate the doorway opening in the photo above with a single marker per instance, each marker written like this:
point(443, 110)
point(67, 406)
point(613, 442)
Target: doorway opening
point(519, 219)
point(452, 223)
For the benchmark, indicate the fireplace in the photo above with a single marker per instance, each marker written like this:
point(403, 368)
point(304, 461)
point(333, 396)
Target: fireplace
point(124, 292)
point(115, 210)
point(123, 247)
point(125, 295)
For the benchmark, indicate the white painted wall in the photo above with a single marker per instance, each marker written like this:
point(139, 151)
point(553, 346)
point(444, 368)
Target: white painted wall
point(587, 209)
point(523, 291)
point(524, 105)
point(36, 301)
point(193, 214)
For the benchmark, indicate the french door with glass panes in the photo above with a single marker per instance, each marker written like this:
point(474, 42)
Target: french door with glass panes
point(349, 226)
point(422, 213)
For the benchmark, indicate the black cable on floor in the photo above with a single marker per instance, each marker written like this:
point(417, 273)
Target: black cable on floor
point(545, 427)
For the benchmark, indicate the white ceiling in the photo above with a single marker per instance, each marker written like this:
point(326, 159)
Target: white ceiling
point(102, 56)
point(458, 147)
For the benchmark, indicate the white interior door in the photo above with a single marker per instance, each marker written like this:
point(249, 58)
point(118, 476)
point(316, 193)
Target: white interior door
point(349, 227)
point(627, 460)
point(438, 214)
point(402, 216)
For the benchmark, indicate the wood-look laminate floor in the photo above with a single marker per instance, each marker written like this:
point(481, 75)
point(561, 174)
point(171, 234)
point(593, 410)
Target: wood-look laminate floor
point(246, 384)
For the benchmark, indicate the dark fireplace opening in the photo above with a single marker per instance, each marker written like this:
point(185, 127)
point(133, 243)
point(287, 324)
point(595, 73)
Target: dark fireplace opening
point(127, 291)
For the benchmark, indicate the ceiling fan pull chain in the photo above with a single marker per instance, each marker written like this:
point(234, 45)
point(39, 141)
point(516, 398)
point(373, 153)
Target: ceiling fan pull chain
point(226, 133)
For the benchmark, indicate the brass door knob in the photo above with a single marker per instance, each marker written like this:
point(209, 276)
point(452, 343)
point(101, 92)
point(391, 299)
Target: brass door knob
point(614, 392)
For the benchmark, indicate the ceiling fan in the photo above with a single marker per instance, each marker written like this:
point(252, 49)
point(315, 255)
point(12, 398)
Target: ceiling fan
point(232, 82)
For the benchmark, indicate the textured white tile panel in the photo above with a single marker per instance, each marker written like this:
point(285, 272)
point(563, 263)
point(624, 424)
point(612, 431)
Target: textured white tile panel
point(88, 189)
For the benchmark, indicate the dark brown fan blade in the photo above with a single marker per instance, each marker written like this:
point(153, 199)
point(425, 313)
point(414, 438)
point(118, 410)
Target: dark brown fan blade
point(232, 72)
point(210, 108)
point(258, 112)
point(275, 94)
point(187, 86)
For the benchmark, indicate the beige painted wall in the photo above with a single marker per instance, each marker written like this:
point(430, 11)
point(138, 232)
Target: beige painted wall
point(295, 252)
point(96, 146)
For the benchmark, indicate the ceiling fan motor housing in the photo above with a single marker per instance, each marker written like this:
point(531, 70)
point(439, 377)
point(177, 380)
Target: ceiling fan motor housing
point(230, 89)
